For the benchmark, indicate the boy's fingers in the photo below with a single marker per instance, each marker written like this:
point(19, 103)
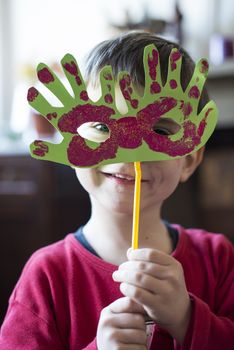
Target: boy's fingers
point(124, 346)
point(126, 304)
point(132, 336)
point(140, 280)
point(140, 295)
point(151, 255)
point(127, 321)
point(151, 269)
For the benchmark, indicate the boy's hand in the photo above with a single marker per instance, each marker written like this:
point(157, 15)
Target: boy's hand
point(156, 281)
point(122, 326)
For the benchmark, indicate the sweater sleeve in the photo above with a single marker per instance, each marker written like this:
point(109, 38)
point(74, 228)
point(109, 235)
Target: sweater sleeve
point(91, 346)
point(24, 330)
point(207, 330)
point(214, 329)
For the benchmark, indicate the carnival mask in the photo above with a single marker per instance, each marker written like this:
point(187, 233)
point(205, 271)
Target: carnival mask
point(162, 124)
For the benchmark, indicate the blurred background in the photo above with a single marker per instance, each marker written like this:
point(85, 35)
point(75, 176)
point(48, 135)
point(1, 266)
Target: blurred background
point(41, 202)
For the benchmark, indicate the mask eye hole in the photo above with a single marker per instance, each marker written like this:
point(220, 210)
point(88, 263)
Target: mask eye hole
point(166, 127)
point(94, 131)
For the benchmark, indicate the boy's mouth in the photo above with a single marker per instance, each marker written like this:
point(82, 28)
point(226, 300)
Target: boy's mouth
point(121, 178)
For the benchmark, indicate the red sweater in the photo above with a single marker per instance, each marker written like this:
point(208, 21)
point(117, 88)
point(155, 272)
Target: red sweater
point(57, 301)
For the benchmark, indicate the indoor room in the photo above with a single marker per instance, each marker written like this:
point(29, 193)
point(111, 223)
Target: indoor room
point(42, 201)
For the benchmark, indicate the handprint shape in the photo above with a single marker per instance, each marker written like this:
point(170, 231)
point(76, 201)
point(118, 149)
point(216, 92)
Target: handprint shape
point(136, 135)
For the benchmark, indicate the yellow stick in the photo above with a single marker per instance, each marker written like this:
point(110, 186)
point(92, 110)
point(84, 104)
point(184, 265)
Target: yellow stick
point(136, 207)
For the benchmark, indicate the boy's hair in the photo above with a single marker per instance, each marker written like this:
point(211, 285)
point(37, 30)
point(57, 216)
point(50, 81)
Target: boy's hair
point(125, 53)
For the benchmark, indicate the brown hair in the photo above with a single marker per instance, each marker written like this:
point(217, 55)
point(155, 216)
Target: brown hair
point(125, 52)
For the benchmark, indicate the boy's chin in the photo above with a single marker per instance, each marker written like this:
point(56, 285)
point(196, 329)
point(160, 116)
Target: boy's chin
point(122, 208)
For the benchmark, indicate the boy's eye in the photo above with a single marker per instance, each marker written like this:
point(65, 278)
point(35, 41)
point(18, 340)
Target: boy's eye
point(94, 131)
point(166, 127)
point(101, 127)
point(161, 131)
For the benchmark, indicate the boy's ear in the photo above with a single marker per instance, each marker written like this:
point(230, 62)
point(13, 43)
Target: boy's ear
point(191, 163)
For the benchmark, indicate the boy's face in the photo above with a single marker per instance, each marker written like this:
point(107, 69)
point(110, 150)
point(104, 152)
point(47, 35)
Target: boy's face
point(112, 185)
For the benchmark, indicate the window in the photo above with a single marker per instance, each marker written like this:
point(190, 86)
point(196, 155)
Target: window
point(41, 31)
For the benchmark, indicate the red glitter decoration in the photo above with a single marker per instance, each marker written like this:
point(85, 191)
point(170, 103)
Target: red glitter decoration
point(78, 80)
point(129, 133)
point(50, 116)
point(79, 154)
point(41, 148)
point(204, 67)
point(194, 92)
point(155, 88)
point(126, 95)
point(152, 64)
point(108, 76)
point(173, 84)
point(202, 125)
point(186, 108)
point(134, 103)
point(162, 143)
point(84, 96)
point(71, 121)
point(175, 56)
point(108, 98)
point(72, 68)
point(45, 76)
point(127, 90)
point(149, 115)
point(32, 94)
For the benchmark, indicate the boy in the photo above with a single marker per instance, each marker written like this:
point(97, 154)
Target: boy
point(69, 296)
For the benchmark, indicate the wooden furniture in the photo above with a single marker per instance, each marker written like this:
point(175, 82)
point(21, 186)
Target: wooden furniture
point(40, 203)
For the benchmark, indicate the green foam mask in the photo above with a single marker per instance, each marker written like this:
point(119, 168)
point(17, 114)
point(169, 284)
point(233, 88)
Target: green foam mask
point(163, 124)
